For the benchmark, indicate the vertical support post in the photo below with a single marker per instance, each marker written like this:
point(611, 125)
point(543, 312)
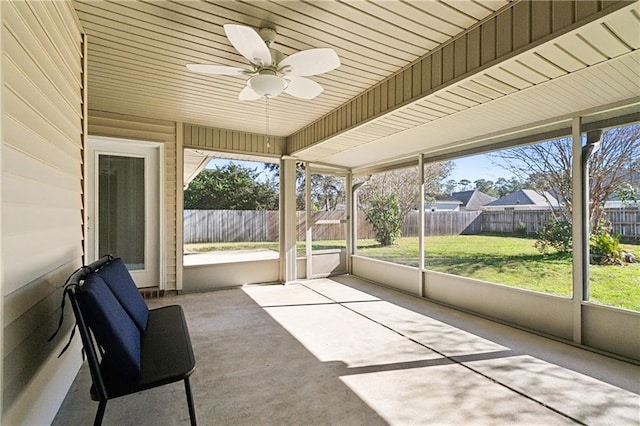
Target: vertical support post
point(354, 221)
point(592, 145)
point(288, 220)
point(2, 6)
point(85, 137)
point(308, 221)
point(577, 218)
point(421, 289)
point(349, 231)
point(179, 204)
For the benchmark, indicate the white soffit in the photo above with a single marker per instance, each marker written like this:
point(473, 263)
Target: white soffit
point(589, 68)
point(194, 162)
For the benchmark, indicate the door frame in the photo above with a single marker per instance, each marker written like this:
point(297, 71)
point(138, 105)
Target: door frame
point(92, 191)
point(310, 170)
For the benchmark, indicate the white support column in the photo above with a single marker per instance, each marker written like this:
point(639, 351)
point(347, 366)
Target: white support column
point(421, 289)
point(2, 6)
point(350, 219)
point(308, 217)
point(577, 229)
point(288, 220)
point(85, 138)
point(179, 204)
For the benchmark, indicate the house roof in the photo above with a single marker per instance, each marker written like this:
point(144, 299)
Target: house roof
point(415, 77)
point(525, 197)
point(473, 199)
point(447, 199)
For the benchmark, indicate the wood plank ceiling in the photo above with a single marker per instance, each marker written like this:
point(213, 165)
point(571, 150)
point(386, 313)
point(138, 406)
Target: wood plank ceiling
point(138, 51)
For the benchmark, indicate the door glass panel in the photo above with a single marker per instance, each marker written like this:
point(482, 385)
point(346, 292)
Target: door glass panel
point(121, 209)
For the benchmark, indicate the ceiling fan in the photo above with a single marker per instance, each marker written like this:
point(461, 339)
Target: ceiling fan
point(272, 73)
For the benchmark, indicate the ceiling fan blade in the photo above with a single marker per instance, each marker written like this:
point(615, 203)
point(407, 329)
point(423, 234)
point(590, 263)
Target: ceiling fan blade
point(247, 94)
point(310, 62)
point(249, 44)
point(216, 69)
point(303, 88)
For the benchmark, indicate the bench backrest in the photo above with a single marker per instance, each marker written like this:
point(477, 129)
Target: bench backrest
point(109, 328)
point(117, 277)
point(112, 327)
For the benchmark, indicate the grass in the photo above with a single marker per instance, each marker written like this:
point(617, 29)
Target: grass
point(507, 260)
point(514, 261)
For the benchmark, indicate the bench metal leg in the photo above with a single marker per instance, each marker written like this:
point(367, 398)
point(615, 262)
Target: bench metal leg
point(100, 414)
point(192, 410)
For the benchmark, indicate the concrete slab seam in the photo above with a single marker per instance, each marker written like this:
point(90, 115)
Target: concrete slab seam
point(452, 359)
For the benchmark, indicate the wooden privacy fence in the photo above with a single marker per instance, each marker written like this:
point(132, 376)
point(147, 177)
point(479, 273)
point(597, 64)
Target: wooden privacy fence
point(442, 223)
point(206, 226)
point(509, 221)
point(215, 226)
point(209, 226)
point(625, 222)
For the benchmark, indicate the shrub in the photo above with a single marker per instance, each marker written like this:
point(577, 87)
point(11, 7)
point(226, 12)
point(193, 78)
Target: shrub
point(383, 213)
point(521, 228)
point(604, 248)
point(555, 235)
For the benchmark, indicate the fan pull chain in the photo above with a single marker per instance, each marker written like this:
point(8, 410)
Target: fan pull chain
point(266, 99)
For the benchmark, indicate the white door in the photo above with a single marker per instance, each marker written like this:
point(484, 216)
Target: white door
point(124, 205)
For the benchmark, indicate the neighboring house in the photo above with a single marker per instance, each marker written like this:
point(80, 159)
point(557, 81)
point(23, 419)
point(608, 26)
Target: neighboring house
point(473, 199)
point(524, 199)
point(444, 203)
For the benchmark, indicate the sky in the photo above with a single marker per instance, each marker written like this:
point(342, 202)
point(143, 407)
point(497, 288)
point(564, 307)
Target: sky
point(477, 167)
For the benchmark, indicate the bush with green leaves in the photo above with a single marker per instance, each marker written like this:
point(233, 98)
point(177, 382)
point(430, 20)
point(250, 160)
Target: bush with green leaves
point(556, 234)
point(383, 212)
point(604, 248)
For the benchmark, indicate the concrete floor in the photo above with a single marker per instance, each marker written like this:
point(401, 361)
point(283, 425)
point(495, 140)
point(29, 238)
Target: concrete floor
point(342, 351)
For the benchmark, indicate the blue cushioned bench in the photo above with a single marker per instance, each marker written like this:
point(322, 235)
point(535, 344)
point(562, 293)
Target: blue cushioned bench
point(129, 348)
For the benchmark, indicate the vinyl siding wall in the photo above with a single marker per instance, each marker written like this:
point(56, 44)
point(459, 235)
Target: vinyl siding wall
point(146, 129)
point(203, 137)
point(42, 186)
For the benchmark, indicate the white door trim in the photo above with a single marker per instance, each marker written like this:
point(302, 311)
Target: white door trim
point(91, 178)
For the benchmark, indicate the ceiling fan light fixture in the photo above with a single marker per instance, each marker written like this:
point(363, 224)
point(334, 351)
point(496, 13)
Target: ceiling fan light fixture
point(266, 85)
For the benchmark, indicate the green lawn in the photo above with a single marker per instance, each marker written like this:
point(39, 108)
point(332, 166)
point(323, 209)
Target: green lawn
point(515, 262)
point(500, 259)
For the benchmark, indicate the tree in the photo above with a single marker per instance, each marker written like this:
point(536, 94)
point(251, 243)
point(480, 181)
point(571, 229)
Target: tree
point(628, 194)
point(507, 186)
point(327, 192)
point(486, 186)
point(231, 187)
point(383, 213)
point(449, 186)
point(464, 184)
point(404, 185)
point(546, 167)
